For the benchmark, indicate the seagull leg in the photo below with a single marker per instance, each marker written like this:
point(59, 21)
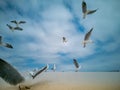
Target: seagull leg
point(23, 87)
point(26, 87)
point(84, 45)
point(84, 15)
point(20, 88)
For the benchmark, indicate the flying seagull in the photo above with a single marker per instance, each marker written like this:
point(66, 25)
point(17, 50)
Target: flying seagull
point(54, 67)
point(18, 22)
point(85, 11)
point(76, 64)
point(64, 39)
point(38, 72)
point(86, 38)
point(5, 44)
point(14, 28)
point(11, 75)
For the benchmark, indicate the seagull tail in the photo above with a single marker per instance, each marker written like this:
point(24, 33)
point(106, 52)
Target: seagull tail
point(84, 45)
point(84, 16)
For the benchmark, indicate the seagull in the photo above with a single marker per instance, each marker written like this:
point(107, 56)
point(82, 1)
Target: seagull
point(76, 65)
point(54, 67)
point(64, 39)
point(14, 28)
point(12, 76)
point(85, 11)
point(86, 38)
point(5, 44)
point(38, 72)
point(18, 22)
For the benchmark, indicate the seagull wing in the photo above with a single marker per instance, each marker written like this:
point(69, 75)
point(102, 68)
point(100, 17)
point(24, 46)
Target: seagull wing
point(0, 39)
point(14, 21)
point(10, 27)
point(22, 22)
point(9, 73)
point(40, 71)
point(5, 44)
point(84, 7)
point(91, 11)
point(76, 63)
point(8, 45)
point(18, 28)
point(88, 34)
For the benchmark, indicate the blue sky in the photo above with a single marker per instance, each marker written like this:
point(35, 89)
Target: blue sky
point(40, 42)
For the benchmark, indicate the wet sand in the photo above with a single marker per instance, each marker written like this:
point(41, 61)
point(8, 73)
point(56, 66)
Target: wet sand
point(71, 81)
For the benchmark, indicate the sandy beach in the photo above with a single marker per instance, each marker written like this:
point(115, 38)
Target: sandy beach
point(71, 81)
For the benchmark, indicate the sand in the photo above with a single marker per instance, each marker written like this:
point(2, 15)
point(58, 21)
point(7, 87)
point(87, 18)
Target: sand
point(71, 81)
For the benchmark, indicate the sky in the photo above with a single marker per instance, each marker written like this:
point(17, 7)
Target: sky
point(47, 21)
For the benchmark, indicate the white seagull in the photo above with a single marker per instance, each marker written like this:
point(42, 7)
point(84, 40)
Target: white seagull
point(76, 65)
point(14, 28)
point(54, 67)
point(85, 11)
point(86, 38)
point(12, 76)
point(38, 72)
point(18, 22)
point(5, 44)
